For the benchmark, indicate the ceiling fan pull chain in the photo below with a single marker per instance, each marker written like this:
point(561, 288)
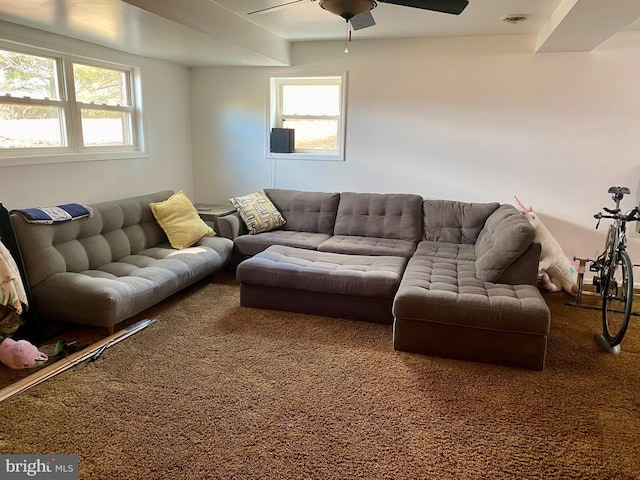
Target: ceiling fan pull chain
point(347, 38)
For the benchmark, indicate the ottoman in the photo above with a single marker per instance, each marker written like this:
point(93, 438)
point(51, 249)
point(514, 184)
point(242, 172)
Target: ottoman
point(442, 309)
point(357, 287)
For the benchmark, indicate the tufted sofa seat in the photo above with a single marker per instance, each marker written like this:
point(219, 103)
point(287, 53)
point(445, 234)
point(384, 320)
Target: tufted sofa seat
point(102, 270)
point(359, 287)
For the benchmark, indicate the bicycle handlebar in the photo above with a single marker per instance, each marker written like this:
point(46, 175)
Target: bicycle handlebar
point(632, 216)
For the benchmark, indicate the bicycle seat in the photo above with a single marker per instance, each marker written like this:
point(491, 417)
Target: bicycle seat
point(619, 191)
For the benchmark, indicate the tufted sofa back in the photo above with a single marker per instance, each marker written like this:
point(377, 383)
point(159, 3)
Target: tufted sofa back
point(116, 229)
point(306, 211)
point(455, 222)
point(388, 215)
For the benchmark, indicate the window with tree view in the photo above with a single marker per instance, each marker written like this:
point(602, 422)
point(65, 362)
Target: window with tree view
point(51, 104)
point(313, 106)
point(104, 103)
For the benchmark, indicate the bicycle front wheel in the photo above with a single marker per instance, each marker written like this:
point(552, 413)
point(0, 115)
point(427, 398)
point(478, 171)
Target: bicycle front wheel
point(617, 298)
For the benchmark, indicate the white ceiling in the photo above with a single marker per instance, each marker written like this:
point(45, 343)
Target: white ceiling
point(219, 32)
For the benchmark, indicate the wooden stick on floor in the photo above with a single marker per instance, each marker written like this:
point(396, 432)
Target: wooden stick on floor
point(92, 352)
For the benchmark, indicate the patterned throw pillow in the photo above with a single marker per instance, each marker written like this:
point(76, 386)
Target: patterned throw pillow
point(258, 212)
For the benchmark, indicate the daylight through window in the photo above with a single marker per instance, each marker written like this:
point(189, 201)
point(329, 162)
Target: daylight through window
point(313, 106)
point(52, 104)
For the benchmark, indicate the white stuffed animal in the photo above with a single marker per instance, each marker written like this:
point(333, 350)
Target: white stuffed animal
point(556, 271)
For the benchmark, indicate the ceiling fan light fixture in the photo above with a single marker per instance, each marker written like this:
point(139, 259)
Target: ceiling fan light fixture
point(348, 9)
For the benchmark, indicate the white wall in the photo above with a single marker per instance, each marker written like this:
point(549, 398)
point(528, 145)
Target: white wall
point(165, 89)
point(472, 119)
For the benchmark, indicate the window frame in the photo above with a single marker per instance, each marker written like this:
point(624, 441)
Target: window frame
point(275, 115)
point(73, 148)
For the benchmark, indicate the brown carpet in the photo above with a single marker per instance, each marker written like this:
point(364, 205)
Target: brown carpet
point(214, 390)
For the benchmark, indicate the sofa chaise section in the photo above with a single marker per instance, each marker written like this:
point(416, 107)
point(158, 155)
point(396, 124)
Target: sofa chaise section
point(469, 290)
point(102, 270)
point(442, 308)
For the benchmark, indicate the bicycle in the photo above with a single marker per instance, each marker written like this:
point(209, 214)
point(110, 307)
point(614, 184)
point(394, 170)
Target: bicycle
point(614, 274)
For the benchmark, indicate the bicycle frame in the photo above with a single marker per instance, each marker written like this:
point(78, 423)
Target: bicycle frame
point(615, 241)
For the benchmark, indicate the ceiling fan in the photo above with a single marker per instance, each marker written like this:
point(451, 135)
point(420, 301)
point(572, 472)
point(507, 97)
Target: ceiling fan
point(358, 12)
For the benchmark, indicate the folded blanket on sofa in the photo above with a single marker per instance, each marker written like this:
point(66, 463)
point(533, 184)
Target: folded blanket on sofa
point(58, 214)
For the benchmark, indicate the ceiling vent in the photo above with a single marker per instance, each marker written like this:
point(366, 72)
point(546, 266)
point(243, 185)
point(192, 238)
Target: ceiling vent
point(514, 18)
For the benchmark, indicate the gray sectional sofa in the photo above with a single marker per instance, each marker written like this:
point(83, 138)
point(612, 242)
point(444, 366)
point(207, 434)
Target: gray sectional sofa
point(102, 270)
point(456, 279)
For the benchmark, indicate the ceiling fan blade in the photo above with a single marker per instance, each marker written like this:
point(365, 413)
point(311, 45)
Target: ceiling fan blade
point(363, 20)
point(275, 7)
point(454, 7)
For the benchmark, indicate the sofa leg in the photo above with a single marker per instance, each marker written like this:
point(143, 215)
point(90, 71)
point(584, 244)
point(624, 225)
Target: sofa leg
point(110, 330)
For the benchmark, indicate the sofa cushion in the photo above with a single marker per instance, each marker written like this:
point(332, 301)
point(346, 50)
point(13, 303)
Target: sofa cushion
point(253, 244)
point(306, 211)
point(454, 251)
point(392, 215)
point(455, 222)
point(368, 246)
point(180, 220)
point(507, 234)
point(258, 212)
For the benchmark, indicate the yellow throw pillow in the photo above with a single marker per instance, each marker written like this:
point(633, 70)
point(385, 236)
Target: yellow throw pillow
point(258, 212)
point(180, 221)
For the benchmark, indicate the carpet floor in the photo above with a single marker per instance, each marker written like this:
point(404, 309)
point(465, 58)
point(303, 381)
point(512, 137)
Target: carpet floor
point(215, 390)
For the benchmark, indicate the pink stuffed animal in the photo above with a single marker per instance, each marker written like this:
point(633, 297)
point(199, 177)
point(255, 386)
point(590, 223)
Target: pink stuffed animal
point(20, 354)
point(556, 271)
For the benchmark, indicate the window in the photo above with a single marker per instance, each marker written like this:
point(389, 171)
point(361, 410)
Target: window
point(314, 107)
point(103, 98)
point(53, 104)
